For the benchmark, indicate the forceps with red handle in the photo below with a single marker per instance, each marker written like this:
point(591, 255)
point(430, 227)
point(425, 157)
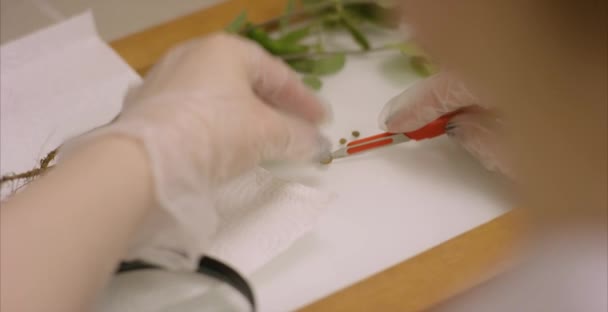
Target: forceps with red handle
point(433, 129)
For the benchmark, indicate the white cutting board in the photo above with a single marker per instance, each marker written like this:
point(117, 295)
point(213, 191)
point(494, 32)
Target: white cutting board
point(390, 204)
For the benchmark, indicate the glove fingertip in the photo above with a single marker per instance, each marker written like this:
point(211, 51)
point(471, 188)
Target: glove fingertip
point(402, 122)
point(294, 139)
point(315, 150)
point(323, 149)
point(328, 113)
point(393, 110)
point(402, 113)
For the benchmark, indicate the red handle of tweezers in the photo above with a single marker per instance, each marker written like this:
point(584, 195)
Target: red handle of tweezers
point(433, 129)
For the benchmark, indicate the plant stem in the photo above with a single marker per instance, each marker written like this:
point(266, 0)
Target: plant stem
point(339, 6)
point(295, 56)
point(45, 164)
point(25, 175)
point(320, 38)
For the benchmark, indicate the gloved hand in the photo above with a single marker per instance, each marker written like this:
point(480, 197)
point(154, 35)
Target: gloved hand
point(210, 110)
point(476, 129)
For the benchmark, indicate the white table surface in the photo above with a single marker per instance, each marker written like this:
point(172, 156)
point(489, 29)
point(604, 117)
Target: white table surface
point(390, 205)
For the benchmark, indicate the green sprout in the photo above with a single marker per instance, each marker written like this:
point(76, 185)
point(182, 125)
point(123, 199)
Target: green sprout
point(291, 36)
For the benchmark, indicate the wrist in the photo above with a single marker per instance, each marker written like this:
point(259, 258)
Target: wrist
point(113, 161)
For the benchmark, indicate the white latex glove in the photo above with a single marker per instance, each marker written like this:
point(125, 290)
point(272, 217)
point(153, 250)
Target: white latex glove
point(210, 110)
point(475, 129)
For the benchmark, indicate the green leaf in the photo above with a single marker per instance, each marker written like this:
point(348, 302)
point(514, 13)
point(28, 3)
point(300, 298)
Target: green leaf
point(321, 66)
point(295, 36)
point(273, 46)
point(284, 22)
point(237, 24)
point(354, 16)
point(422, 66)
point(260, 36)
point(330, 64)
point(305, 66)
point(357, 35)
point(330, 20)
point(281, 48)
point(410, 49)
point(313, 82)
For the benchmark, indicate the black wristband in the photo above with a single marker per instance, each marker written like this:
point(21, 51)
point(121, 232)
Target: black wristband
point(207, 266)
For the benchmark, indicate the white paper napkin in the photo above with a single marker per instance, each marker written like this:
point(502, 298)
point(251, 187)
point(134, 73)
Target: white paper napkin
point(260, 216)
point(55, 84)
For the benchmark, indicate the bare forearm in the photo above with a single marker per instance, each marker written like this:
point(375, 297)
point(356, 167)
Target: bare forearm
point(63, 235)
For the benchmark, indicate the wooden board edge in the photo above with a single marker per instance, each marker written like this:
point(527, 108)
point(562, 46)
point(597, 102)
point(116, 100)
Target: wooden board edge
point(433, 276)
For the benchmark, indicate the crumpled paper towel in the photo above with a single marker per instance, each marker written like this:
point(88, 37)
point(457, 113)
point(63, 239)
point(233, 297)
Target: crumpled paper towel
point(260, 217)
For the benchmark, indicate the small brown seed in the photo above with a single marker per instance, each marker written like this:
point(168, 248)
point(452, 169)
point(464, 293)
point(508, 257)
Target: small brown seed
point(342, 141)
point(356, 134)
